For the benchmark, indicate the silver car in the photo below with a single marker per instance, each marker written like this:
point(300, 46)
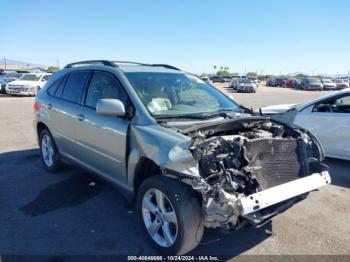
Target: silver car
point(190, 156)
point(246, 86)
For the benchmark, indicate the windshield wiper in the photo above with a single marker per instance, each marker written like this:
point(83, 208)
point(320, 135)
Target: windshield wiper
point(186, 116)
point(221, 113)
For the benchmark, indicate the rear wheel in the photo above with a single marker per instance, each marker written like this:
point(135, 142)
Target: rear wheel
point(170, 215)
point(49, 153)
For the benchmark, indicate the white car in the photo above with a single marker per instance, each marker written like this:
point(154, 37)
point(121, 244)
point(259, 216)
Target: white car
point(327, 117)
point(28, 85)
point(246, 86)
point(328, 84)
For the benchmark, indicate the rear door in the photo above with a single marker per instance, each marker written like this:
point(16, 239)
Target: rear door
point(329, 121)
point(103, 139)
point(63, 107)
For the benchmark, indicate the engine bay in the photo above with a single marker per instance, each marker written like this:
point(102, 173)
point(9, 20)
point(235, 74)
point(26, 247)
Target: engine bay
point(250, 158)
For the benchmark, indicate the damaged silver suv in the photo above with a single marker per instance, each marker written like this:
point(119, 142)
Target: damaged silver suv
point(190, 155)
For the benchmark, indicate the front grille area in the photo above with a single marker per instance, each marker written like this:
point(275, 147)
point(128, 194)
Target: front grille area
point(276, 161)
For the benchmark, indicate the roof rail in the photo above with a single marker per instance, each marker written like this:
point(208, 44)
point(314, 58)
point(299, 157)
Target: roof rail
point(114, 64)
point(166, 66)
point(90, 62)
point(144, 64)
point(128, 62)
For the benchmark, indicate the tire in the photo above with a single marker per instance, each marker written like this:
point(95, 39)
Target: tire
point(49, 153)
point(2, 90)
point(188, 229)
point(37, 89)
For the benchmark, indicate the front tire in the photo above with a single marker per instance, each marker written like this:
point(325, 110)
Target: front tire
point(49, 154)
point(170, 215)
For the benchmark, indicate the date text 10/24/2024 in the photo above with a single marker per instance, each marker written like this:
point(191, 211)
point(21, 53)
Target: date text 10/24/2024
point(173, 258)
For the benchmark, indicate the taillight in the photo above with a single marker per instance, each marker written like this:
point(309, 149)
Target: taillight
point(37, 106)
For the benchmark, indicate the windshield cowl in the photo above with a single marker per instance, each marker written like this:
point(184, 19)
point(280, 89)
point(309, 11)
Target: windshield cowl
point(182, 123)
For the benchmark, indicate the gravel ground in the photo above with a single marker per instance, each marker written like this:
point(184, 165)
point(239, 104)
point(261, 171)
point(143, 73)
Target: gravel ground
point(61, 214)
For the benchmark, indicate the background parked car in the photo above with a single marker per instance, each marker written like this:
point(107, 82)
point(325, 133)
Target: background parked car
point(311, 83)
point(280, 81)
point(296, 83)
point(227, 78)
point(28, 84)
point(341, 84)
point(217, 79)
point(254, 80)
point(205, 79)
point(327, 117)
point(289, 83)
point(3, 82)
point(246, 86)
point(234, 83)
point(328, 84)
point(271, 82)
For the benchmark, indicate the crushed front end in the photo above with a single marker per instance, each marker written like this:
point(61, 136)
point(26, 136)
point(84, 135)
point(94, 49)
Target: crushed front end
point(251, 169)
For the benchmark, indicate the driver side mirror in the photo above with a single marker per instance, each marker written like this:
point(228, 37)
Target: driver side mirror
point(110, 107)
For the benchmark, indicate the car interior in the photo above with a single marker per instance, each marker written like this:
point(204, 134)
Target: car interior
point(339, 105)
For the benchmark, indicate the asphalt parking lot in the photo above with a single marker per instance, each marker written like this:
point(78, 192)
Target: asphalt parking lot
point(66, 214)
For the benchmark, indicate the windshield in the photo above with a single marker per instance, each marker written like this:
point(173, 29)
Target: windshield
point(171, 95)
point(326, 81)
point(30, 77)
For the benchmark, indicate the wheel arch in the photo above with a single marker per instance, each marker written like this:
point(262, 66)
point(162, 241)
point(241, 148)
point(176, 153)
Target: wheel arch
point(145, 169)
point(40, 126)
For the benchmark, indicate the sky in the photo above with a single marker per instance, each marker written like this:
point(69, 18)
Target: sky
point(270, 36)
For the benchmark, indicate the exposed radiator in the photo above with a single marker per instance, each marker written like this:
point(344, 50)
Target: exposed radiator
point(275, 161)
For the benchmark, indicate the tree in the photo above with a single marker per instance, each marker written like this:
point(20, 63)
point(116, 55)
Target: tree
point(53, 68)
point(251, 74)
point(300, 75)
point(223, 73)
point(321, 76)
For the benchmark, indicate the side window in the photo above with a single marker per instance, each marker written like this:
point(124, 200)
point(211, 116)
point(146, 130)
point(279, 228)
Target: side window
point(342, 105)
point(104, 85)
point(339, 105)
point(45, 78)
point(74, 86)
point(51, 90)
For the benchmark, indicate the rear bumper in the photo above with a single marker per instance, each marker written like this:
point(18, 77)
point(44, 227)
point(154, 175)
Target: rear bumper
point(277, 194)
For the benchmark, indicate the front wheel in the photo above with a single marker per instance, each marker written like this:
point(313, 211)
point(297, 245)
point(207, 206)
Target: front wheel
point(170, 215)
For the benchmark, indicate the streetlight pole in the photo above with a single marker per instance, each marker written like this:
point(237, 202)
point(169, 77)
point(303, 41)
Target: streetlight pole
point(4, 63)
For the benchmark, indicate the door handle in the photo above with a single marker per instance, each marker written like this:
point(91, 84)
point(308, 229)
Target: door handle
point(49, 106)
point(81, 117)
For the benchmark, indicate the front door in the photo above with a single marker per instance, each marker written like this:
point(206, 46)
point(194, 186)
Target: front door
point(103, 139)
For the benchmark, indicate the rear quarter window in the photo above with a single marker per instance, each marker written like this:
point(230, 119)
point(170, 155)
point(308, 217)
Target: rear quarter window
point(58, 84)
point(74, 86)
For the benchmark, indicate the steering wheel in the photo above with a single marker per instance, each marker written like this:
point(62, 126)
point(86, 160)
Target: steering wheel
point(333, 108)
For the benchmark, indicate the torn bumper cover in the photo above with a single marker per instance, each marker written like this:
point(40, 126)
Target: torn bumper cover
point(277, 194)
